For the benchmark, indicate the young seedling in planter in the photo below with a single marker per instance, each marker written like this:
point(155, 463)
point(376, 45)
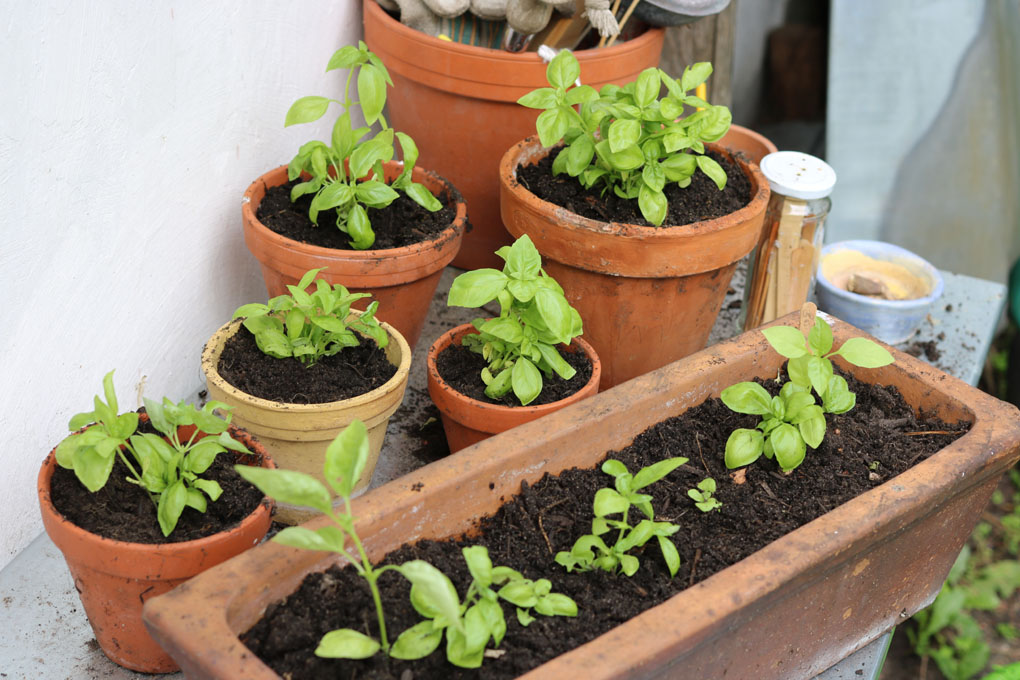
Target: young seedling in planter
point(309, 326)
point(591, 551)
point(347, 175)
point(793, 420)
point(165, 466)
point(482, 615)
point(626, 139)
point(520, 344)
point(703, 496)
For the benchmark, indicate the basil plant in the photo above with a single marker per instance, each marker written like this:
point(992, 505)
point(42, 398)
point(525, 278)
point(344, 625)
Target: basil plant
point(520, 344)
point(346, 175)
point(626, 139)
point(793, 421)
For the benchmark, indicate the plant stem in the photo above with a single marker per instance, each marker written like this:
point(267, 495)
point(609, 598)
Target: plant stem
point(371, 576)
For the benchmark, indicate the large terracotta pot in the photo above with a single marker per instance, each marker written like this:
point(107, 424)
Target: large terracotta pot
point(114, 578)
point(296, 435)
point(459, 103)
point(790, 610)
point(648, 295)
point(401, 279)
point(467, 421)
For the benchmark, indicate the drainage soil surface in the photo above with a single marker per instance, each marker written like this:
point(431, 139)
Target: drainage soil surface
point(346, 374)
point(124, 512)
point(862, 449)
point(401, 223)
point(701, 200)
point(461, 368)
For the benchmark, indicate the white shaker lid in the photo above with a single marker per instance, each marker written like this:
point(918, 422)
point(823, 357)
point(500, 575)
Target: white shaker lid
point(798, 175)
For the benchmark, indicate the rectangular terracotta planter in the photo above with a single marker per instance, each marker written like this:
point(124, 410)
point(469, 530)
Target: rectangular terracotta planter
point(790, 610)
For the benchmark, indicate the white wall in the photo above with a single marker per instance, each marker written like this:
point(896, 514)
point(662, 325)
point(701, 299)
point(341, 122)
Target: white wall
point(128, 132)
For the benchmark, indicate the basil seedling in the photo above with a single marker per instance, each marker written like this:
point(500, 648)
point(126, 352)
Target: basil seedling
point(793, 420)
point(591, 551)
point(347, 175)
point(310, 326)
point(534, 317)
point(346, 457)
point(166, 467)
point(625, 138)
point(703, 496)
point(482, 615)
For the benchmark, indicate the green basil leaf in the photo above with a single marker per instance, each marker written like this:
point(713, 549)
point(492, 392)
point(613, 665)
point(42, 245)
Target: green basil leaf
point(420, 194)
point(630, 158)
point(525, 380)
point(476, 288)
point(345, 57)
point(629, 564)
point(434, 588)
point(417, 642)
point(579, 155)
point(520, 593)
point(92, 468)
point(523, 617)
point(346, 457)
point(563, 70)
point(747, 397)
point(656, 471)
point(542, 98)
point(581, 95)
point(820, 337)
point(788, 446)
point(713, 170)
point(552, 359)
point(695, 75)
point(795, 403)
point(371, 92)
point(523, 291)
point(646, 88)
point(798, 371)
point(211, 488)
point(555, 312)
point(504, 328)
point(819, 372)
point(171, 505)
point(609, 502)
point(359, 228)
point(479, 564)
point(523, 260)
point(838, 397)
point(551, 125)
point(288, 486)
point(812, 430)
point(492, 615)
point(202, 455)
point(375, 194)
point(743, 447)
point(653, 204)
point(195, 500)
point(623, 133)
point(786, 340)
point(306, 110)
point(556, 604)
point(670, 554)
point(865, 353)
point(346, 644)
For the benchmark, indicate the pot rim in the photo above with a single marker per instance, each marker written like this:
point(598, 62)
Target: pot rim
point(447, 339)
point(757, 203)
point(266, 181)
point(51, 514)
point(865, 302)
point(213, 348)
point(380, 16)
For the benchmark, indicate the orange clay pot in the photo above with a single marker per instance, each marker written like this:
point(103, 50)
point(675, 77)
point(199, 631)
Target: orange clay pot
point(401, 279)
point(745, 140)
point(459, 103)
point(844, 578)
point(648, 295)
point(115, 578)
point(467, 421)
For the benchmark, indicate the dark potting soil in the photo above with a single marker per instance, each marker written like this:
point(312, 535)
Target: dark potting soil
point(462, 369)
point(346, 374)
point(701, 200)
point(124, 512)
point(862, 449)
point(402, 223)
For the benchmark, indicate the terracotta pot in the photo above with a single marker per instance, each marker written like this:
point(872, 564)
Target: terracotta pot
point(114, 578)
point(754, 144)
point(467, 421)
point(845, 578)
point(459, 103)
point(401, 279)
point(648, 295)
point(296, 435)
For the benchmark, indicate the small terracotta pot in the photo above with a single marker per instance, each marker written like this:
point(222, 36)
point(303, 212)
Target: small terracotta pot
point(648, 295)
point(745, 140)
point(401, 279)
point(296, 435)
point(115, 578)
point(459, 103)
point(467, 421)
point(844, 578)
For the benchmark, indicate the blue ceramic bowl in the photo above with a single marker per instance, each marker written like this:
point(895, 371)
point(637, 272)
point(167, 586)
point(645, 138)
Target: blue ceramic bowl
point(891, 321)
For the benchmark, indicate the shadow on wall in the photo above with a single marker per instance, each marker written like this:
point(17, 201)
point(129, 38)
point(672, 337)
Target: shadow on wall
point(955, 198)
